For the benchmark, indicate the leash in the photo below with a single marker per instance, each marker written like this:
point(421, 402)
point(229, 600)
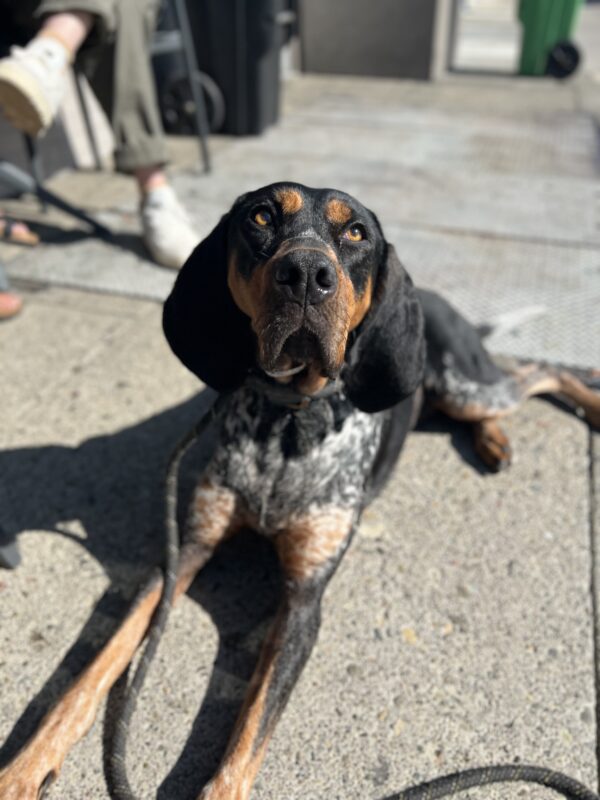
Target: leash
point(502, 773)
point(115, 767)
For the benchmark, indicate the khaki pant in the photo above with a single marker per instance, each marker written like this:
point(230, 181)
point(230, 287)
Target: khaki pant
point(116, 60)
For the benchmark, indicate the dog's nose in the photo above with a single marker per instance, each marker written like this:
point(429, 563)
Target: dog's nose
point(306, 276)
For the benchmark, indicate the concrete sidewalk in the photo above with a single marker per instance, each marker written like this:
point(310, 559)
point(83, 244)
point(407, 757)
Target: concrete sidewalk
point(461, 627)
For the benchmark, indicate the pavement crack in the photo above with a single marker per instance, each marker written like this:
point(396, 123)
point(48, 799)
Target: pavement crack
point(593, 478)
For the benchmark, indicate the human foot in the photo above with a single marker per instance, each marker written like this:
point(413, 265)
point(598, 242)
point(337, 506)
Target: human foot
point(167, 230)
point(10, 305)
point(32, 83)
point(16, 232)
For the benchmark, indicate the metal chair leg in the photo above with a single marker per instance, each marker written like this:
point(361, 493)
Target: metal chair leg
point(36, 165)
point(194, 79)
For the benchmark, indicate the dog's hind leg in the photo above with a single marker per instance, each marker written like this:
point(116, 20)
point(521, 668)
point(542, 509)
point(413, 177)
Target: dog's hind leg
point(37, 765)
point(548, 380)
point(484, 404)
point(309, 551)
point(463, 381)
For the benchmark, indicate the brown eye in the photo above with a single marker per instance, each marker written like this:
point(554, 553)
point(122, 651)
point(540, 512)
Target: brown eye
point(354, 233)
point(263, 217)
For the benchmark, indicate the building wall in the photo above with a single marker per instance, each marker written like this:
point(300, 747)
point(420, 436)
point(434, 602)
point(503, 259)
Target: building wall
point(387, 38)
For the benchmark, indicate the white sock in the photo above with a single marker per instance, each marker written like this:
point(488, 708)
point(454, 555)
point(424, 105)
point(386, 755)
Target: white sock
point(49, 49)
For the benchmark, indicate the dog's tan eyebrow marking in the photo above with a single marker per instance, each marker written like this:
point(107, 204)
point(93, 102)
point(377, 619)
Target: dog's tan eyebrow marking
point(338, 211)
point(290, 200)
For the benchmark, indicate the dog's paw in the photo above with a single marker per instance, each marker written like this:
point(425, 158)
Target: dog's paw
point(22, 787)
point(493, 446)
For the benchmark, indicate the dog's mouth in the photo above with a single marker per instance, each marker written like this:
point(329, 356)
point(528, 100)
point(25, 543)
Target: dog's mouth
point(298, 351)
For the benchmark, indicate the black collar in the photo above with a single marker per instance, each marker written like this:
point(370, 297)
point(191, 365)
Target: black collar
point(280, 394)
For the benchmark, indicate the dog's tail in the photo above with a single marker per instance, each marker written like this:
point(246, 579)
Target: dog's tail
point(507, 321)
point(510, 320)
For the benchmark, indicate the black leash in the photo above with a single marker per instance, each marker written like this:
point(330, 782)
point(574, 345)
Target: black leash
point(116, 772)
point(115, 767)
point(502, 773)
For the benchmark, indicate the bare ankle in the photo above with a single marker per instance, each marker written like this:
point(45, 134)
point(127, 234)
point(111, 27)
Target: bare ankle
point(149, 178)
point(69, 28)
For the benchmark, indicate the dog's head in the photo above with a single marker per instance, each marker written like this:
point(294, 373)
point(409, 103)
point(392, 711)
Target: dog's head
point(301, 284)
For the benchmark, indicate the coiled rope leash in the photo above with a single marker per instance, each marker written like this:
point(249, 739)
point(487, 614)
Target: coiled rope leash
point(116, 773)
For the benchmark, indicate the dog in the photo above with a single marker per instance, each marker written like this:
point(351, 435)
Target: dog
point(298, 311)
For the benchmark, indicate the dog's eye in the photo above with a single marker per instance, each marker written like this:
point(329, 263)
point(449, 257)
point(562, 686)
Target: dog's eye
point(263, 217)
point(355, 233)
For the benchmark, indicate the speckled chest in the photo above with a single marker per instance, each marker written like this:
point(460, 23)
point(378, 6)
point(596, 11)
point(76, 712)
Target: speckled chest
point(281, 461)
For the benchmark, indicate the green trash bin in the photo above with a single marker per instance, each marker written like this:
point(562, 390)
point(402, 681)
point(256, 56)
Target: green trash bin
point(547, 28)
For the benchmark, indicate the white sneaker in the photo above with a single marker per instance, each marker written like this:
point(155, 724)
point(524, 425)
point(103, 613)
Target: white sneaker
point(32, 83)
point(167, 230)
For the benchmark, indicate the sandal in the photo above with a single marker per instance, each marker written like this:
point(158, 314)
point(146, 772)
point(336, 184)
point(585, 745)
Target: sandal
point(17, 232)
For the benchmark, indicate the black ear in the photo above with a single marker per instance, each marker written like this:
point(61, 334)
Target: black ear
point(204, 327)
point(387, 360)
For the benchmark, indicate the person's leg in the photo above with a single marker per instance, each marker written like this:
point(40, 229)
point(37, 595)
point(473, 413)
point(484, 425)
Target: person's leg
point(124, 84)
point(33, 78)
point(32, 83)
point(70, 28)
point(150, 178)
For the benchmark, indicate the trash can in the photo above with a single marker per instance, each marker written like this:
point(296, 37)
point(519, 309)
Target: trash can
point(547, 28)
point(238, 44)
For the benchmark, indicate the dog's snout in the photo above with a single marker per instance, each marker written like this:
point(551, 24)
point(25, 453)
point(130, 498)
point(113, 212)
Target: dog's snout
point(306, 276)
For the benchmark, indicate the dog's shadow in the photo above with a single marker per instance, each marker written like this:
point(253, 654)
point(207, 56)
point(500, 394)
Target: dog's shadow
point(114, 486)
point(460, 436)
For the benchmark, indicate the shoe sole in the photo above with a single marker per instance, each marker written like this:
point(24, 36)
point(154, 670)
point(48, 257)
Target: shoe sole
point(22, 101)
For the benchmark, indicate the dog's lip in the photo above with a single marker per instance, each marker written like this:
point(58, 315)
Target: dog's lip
point(291, 344)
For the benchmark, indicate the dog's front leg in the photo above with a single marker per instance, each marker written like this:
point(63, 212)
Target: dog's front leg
point(39, 762)
point(309, 551)
point(284, 653)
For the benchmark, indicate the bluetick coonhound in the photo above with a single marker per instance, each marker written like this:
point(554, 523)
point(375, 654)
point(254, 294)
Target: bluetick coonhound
point(298, 309)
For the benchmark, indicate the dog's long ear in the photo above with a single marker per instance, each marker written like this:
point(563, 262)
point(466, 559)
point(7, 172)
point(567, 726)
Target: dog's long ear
point(204, 327)
point(386, 361)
